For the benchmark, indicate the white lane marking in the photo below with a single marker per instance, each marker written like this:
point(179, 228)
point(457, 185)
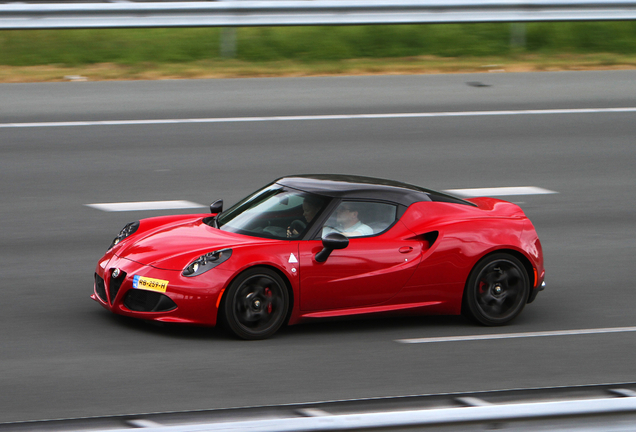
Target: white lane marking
point(144, 205)
point(623, 392)
point(517, 335)
point(500, 191)
point(312, 412)
point(470, 401)
point(143, 423)
point(172, 205)
point(317, 117)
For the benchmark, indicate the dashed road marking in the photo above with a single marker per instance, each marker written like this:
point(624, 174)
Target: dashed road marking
point(143, 423)
point(517, 335)
point(144, 205)
point(500, 191)
point(318, 117)
point(172, 205)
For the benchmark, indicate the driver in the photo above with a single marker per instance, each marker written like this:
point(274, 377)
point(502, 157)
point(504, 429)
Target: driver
point(311, 207)
point(349, 224)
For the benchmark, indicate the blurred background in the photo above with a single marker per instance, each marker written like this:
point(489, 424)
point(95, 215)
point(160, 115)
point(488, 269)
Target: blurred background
point(465, 42)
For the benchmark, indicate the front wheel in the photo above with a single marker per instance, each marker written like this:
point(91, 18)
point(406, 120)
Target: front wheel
point(256, 304)
point(497, 290)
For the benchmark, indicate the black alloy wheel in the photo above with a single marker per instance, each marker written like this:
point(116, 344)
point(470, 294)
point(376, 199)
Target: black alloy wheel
point(255, 305)
point(497, 290)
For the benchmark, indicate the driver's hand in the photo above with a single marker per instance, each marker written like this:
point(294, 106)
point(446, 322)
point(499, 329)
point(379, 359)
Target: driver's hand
point(291, 232)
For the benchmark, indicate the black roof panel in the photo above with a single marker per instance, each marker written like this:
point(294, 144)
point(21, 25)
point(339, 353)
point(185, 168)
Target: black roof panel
point(350, 186)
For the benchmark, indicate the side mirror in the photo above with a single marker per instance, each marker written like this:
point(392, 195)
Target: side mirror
point(330, 242)
point(216, 206)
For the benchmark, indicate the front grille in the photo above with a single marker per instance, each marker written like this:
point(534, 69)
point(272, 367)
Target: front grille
point(148, 301)
point(99, 288)
point(115, 284)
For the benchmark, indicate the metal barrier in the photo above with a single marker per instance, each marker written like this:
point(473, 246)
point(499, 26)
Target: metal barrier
point(297, 13)
point(583, 409)
point(586, 408)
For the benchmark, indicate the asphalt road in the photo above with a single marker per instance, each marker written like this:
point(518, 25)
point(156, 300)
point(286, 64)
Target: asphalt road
point(62, 355)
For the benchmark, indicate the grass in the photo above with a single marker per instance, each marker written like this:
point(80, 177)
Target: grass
point(45, 55)
point(240, 68)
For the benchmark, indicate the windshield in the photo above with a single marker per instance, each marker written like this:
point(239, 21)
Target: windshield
point(273, 212)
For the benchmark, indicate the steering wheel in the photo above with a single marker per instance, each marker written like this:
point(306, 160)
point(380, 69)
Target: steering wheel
point(297, 226)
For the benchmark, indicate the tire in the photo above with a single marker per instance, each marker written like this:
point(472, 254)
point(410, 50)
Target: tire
point(497, 290)
point(255, 304)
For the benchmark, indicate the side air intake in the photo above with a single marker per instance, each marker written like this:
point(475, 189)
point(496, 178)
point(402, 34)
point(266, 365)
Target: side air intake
point(430, 237)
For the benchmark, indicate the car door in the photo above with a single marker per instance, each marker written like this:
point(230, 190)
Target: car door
point(369, 271)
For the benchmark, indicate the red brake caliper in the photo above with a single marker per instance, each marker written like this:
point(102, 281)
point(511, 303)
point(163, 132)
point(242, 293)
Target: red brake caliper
point(268, 293)
point(482, 287)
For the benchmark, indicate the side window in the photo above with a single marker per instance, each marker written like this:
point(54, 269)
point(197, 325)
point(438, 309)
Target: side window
point(360, 218)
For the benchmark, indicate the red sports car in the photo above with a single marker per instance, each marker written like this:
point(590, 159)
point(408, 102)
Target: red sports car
point(314, 246)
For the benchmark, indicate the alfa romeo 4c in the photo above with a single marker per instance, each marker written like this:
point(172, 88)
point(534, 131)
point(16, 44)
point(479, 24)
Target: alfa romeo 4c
point(315, 246)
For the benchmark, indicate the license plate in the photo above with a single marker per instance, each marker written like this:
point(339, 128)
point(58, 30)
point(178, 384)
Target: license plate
point(150, 284)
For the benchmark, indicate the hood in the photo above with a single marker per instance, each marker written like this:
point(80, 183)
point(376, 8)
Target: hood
point(174, 245)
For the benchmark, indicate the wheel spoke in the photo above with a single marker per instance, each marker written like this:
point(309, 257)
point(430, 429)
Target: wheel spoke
point(259, 285)
point(512, 290)
point(247, 315)
point(512, 274)
point(499, 301)
point(496, 309)
point(244, 303)
point(486, 298)
point(513, 280)
point(492, 275)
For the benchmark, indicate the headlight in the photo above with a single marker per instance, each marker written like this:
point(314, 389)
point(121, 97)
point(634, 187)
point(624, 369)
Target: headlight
point(207, 262)
point(125, 232)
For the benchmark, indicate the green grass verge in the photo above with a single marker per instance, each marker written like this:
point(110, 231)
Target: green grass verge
point(52, 55)
point(309, 44)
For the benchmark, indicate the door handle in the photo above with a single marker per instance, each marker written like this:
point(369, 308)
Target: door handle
point(405, 249)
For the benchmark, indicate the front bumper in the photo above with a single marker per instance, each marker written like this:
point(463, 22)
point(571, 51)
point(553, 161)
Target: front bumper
point(540, 287)
point(182, 300)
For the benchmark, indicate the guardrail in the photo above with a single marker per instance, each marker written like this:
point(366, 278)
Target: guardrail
point(474, 416)
point(298, 13)
point(593, 408)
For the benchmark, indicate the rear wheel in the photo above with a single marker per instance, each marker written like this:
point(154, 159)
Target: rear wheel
point(497, 290)
point(256, 304)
